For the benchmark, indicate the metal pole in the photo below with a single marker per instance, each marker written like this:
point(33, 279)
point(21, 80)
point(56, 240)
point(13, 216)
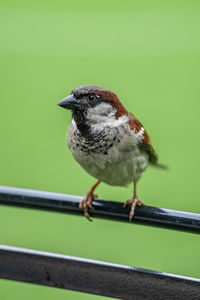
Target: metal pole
point(95, 277)
point(147, 215)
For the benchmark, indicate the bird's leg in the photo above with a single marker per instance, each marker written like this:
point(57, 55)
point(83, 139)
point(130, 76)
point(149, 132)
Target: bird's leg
point(87, 201)
point(133, 202)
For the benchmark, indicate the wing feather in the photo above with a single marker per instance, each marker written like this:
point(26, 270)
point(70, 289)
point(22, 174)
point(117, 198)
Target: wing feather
point(144, 142)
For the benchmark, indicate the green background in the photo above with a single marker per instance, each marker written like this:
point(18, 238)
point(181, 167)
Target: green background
point(148, 53)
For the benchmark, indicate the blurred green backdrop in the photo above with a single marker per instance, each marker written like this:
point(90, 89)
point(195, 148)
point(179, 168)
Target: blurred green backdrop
point(148, 53)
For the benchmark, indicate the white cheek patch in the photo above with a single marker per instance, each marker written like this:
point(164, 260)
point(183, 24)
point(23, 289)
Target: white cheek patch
point(103, 109)
point(100, 112)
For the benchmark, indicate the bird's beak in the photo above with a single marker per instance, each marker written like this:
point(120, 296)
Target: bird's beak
point(69, 102)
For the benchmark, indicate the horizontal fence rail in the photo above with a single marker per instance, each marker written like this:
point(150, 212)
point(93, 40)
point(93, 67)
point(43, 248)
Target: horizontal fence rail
point(92, 276)
point(147, 215)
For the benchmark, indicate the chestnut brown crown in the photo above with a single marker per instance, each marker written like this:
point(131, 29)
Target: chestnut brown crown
point(95, 94)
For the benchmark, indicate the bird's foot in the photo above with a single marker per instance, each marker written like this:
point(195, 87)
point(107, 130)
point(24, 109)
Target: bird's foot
point(133, 202)
point(87, 203)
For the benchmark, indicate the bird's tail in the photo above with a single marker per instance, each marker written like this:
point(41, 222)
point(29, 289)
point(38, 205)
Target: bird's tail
point(161, 166)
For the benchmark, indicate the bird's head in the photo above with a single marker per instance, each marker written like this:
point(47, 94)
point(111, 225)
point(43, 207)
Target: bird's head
point(93, 103)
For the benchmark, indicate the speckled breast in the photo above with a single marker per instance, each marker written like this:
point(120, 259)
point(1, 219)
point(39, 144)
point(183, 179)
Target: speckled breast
point(111, 155)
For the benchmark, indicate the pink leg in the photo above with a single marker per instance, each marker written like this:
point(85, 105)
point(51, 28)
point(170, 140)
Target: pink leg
point(133, 202)
point(87, 201)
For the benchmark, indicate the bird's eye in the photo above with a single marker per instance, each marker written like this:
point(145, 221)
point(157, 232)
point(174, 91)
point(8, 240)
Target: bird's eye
point(91, 97)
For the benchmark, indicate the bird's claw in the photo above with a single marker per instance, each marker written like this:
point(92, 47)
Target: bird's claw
point(127, 203)
point(87, 203)
point(86, 214)
point(133, 202)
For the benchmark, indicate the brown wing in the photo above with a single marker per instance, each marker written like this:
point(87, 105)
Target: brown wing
point(145, 143)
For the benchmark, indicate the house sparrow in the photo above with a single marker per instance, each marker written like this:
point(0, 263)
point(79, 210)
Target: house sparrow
point(107, 141)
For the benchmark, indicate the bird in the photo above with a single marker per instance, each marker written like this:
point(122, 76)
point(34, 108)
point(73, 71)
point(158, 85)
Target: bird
point(107, 141)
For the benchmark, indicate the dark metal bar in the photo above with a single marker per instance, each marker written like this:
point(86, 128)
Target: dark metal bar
point(95, 277)
point(147, 215)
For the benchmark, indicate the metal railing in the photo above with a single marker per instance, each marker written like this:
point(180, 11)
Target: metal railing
point(91, 276)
